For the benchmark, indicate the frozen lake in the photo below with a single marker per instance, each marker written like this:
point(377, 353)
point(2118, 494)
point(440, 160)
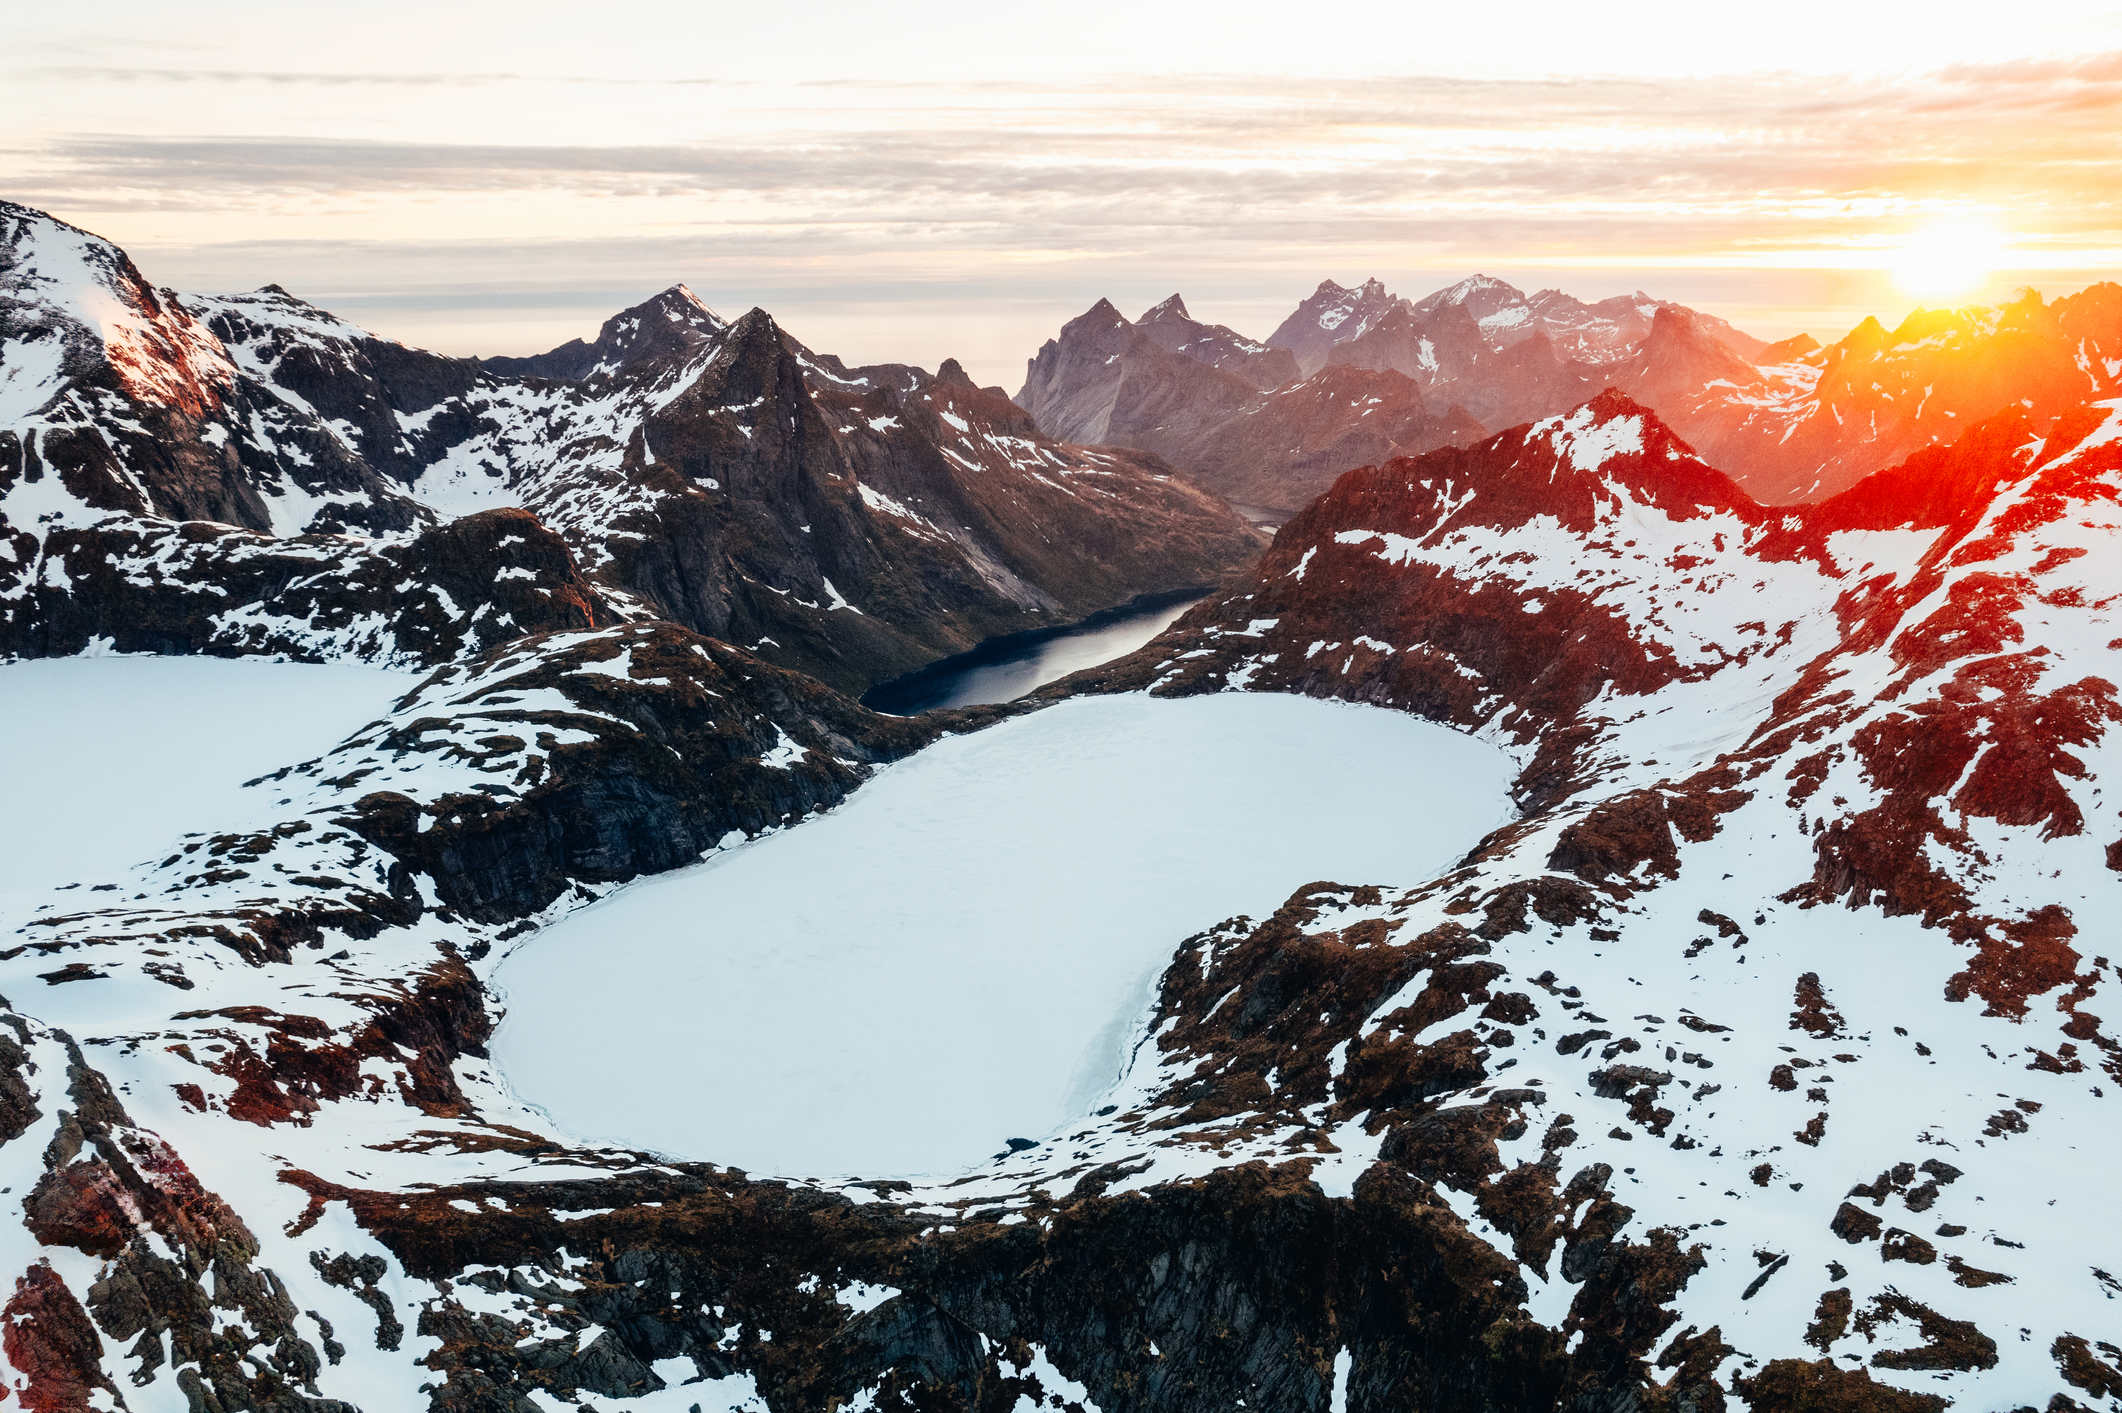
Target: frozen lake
point(110, 760)
point(963, 952)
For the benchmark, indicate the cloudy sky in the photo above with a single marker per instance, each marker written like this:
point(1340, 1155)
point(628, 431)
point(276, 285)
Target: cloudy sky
point(916, 182)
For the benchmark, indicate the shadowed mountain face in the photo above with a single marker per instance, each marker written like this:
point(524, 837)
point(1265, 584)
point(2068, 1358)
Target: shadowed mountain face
point(855, 523)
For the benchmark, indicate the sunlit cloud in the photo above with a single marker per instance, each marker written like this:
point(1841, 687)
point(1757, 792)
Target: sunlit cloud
point(1004, 204)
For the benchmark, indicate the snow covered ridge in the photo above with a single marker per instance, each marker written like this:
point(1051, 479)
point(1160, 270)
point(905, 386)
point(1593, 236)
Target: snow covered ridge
point(853, 523)
point(1768, 1048)
point(132, 584)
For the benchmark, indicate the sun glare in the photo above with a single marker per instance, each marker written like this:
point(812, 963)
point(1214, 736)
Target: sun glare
point(1947, 259)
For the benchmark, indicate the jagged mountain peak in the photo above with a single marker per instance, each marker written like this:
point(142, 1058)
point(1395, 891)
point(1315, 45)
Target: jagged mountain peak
point(1476, 285)
point(274, 306)
point(1332, 315)
point(1104, 311)
point(676, 306)
point(1615, 445)
point(80, 303)
point(1788, 350)
point(1172, 307)
point(1486, 298)
point(675, 322)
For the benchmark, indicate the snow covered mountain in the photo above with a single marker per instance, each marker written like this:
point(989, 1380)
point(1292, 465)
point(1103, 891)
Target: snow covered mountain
point(856, 523)
point(1332, 315)
point(1765, 1048)
point(1761, 1057)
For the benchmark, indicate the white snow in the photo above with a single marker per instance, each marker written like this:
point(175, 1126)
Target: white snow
point(30, 376)
point(109, 760)
point(961, 953)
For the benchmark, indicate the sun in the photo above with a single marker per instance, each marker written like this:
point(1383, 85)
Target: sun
point(1947, 259)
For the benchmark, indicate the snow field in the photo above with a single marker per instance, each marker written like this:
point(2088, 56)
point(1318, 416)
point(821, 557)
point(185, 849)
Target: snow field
point(961, 953)
point(110, 760)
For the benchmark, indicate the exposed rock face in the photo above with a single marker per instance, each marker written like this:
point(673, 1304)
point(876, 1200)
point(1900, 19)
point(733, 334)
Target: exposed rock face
point(1105, 379)
point(1292, 443)
point(1171, 328)
point(855, 523)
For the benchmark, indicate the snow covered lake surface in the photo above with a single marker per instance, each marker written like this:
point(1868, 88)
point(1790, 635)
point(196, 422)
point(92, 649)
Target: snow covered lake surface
point(964, 952)
point(110, 760)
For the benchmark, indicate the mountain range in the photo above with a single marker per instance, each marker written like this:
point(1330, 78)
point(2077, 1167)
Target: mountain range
point(853, 522)
point(1762, 1057)
point(1378, 375)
